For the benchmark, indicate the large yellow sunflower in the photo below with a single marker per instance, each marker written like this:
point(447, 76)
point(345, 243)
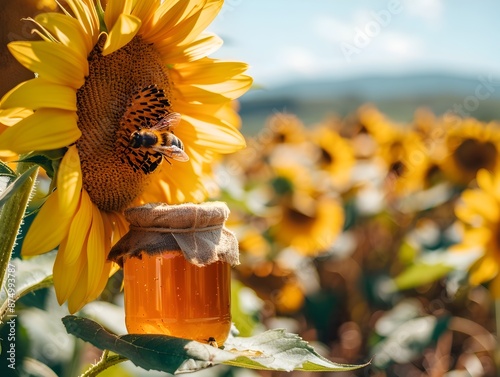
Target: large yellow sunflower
point(101, 75)
point(479, 212)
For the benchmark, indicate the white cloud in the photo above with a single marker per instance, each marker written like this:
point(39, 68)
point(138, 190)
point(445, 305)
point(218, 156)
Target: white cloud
point(400, 46)
point(332, 29)
point(299, 58)
point(430, 11)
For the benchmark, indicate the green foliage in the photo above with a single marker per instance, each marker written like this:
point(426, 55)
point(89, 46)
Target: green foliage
point(271, 350)
point(48, 160)
point(5, 170)
point(13, 187)
point(420, 274)
point(30, 275)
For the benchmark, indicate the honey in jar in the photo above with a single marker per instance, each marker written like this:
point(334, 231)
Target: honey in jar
point(166, 294)
point(176, 263)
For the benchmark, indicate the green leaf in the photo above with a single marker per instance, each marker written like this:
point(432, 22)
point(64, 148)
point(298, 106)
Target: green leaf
point(158, 352)
point(48, 160)
point(279, 350)
point(26, 276)
point(274, 349)
point(15, 185)
point(420, 274)
point(6, 170)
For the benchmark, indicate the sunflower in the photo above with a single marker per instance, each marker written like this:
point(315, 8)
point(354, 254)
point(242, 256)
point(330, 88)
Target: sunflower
point(471, 145)
point(369, 131)
point(335, 156)
point(310, 225)
point(306, 219)
point(102, 75)
point(479, 213)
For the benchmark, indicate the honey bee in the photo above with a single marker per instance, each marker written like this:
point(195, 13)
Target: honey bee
point(212, 342)
point(160, 139)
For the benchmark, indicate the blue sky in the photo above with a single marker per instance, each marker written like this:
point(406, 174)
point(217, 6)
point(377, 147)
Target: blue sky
point(296, 40)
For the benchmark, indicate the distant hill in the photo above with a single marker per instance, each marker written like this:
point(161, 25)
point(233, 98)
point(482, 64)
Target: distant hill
point(396, 96)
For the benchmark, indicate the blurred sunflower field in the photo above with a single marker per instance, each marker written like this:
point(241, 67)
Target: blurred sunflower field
point(369, 242)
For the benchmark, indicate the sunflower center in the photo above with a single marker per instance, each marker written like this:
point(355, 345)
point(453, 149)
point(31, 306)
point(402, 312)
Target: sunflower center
point(125, 91)
point(473, 155)
point(326, 157)
point(299, 217)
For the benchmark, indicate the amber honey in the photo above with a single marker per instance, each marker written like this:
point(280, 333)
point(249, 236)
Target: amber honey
point(165, 294)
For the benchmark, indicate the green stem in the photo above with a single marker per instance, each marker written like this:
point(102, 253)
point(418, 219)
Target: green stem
point(104, 363)
point(11, 216)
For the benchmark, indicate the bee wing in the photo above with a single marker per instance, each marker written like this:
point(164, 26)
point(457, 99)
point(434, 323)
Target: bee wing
point(167, 122)
point(173, 152)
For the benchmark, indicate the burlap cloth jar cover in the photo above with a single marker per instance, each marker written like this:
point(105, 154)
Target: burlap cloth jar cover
point(195, 229)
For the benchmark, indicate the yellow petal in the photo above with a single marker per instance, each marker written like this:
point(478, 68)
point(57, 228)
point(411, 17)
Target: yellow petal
point(225, 112)
point(193, 95)
point(78, 230)
point(86, 13)
point(115, 9)
point(68, 31)
point(167, 15)
point(201, 47)
point(66, 277)
point(481, 203)
point(476, 237)
point(48, 228)
point(116, 227)
point(96, 253)
point(9, 117)
point(78, 298)
point(69, 180)
point(37, 93)
point(145, 10)
point(210, 132)
point(125, 28)
point(167, 26)
point(46, 129)
point(216, 93)
point(206, 15)
point(108, 270)
point(52, 61)
point(232, 88)
point(483, 270)
point(209, 71)
point(485, 180)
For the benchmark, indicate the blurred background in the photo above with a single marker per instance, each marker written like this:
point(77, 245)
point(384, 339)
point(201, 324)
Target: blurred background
point(312, 58)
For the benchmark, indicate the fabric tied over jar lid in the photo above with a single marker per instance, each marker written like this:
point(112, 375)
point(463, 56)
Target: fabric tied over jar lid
point(195, 229)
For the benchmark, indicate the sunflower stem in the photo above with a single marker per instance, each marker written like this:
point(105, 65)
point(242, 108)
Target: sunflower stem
point(12, 214)
point(104, 363)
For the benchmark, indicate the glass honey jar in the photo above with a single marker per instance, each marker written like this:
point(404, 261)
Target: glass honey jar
point(177, 271)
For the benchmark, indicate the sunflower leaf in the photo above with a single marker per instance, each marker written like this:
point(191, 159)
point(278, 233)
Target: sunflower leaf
point(11, 189)
point(26, 276)
point(5, 170)
point(279, 350)
point(271, 350)
point(48, 160)
point(419, 274)
point(158, 352)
